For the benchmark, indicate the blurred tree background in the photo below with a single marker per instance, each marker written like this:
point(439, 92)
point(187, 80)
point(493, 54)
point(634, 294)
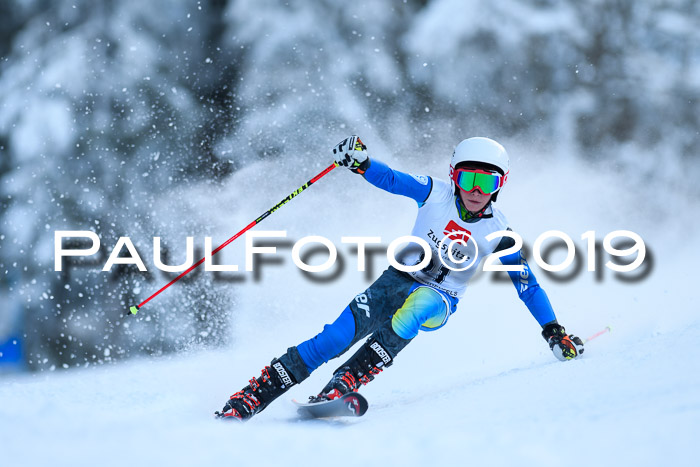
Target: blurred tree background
point(111, 109)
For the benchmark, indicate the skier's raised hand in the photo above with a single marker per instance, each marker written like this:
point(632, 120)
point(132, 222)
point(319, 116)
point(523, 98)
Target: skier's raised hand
point(352, 153)
point(565, 347)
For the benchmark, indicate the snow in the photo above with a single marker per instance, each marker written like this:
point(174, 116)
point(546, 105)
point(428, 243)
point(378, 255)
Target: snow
point(484, 390)
point(161, 119)
point(627, 402)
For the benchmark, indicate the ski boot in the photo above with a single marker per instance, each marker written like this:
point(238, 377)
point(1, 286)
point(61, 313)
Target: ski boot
point(252, 399)
point(360, 369)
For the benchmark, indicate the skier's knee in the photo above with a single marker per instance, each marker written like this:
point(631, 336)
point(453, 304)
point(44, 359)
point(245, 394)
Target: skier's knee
point(424, 308)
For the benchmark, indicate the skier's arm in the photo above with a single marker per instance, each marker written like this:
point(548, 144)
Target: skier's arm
point(352, 154)
point(564, 347)
point(399, 183)
point(529, 291)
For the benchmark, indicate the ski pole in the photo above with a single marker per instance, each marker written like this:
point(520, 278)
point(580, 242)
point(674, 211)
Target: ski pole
point(134, 309)
point(597, 334)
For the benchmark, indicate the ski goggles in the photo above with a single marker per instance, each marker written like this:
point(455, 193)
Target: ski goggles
point(475, 179)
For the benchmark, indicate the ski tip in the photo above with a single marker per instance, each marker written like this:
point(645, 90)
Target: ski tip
point(133, 310)
point(349, 405)
point(358, 403)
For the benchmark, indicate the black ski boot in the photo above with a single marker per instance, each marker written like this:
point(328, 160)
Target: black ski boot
point(252, 399)
point(362, 367)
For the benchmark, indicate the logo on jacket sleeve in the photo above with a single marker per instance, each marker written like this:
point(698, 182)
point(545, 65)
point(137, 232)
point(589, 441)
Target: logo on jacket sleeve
point(422, 179)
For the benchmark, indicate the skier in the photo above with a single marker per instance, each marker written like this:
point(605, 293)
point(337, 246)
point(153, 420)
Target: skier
point(453, 218)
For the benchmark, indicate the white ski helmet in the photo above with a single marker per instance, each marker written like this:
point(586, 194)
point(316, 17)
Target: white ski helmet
point(484, 152)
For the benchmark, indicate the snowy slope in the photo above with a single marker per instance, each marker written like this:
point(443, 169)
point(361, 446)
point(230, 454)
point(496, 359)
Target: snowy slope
point(628, 402)
point(485, 390)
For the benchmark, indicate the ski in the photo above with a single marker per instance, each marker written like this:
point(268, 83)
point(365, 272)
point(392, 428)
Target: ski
point(349, 405)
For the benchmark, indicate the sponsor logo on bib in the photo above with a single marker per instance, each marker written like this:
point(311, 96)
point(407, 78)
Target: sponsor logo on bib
point(455, 232)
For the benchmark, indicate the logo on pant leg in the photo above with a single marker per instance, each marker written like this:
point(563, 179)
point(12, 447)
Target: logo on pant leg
point(362, 300)
point(376, 346)
point(284, 376)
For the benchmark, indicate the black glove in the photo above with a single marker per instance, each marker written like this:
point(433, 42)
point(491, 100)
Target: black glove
point(352, 153)
point(565, 347)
